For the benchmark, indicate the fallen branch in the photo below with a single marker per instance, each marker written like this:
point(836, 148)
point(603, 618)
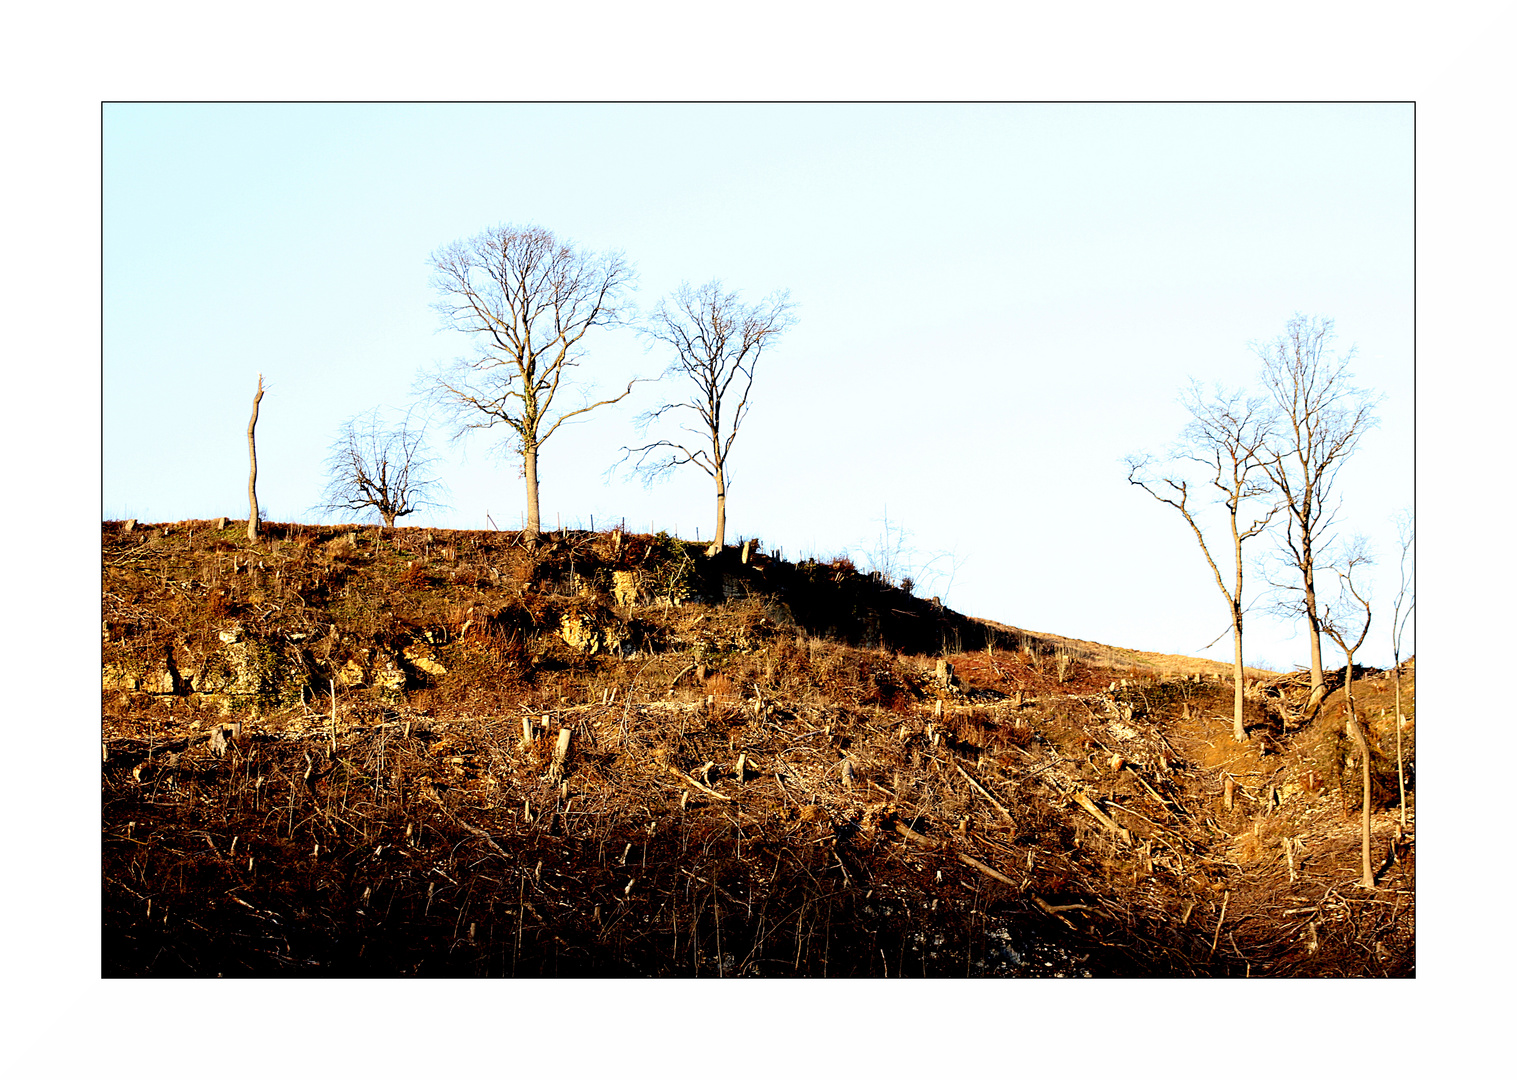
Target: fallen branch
point(479, 833)
point(1004, 812)
point(915, 837)
point(1225, 896)
point(1083, 801)
point(697, 784)
point(1049, 909)
point(1157, 797)
point(969, 860)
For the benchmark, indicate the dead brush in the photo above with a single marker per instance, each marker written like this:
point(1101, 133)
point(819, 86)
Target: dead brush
point(415, 575)
point(1065, 664)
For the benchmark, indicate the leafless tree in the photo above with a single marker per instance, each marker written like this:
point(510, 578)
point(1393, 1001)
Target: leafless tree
point(717, 341)
point(527, 300)
point(1322, 418)
point(1406, 602)
point(1348, 615)
point(1227, 435)
point(253, 468)
point(380, 469)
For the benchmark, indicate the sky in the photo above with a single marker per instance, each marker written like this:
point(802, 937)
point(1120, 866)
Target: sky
point(995, 305)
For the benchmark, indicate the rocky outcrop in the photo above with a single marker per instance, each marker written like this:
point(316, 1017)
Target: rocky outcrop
point(584, 633)
point(625, 588)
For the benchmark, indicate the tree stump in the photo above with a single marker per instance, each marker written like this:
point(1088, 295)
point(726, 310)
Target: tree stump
point(560, 756)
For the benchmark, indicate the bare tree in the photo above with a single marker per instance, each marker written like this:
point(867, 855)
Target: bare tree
point(380, 469)
point(1227, 435)
point(1351, 613)
point(1322, 418)
point(1406, 601)
point(253, 467)
point(527, 300)
point(717, 341)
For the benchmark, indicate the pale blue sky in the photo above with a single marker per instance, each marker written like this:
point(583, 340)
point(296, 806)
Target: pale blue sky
point(995, 303)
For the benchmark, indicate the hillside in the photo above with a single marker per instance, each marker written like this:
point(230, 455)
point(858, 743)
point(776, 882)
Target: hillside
point(613, 754)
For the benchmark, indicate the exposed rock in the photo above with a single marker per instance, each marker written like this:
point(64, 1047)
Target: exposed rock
point(422, 658)
point(118, 677)
point(350, 674)
point(579, 633)
point(390, 678)
point(624, 587)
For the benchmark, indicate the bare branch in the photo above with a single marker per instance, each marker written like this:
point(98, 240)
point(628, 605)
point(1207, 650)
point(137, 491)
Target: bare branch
point(1322, 417)
point(527, 300)
point(1227, 436)
point(382, 470)
point(717, 341)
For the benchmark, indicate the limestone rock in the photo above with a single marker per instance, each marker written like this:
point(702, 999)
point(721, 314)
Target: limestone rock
point(580, 633)
point(624, 587)
point(118, 677)
point(390, 678)
point(423, 659)
point(350, 674)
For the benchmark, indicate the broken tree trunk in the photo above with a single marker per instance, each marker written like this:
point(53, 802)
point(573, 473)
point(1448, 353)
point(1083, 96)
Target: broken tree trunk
point(253, 467)
point(560, 756)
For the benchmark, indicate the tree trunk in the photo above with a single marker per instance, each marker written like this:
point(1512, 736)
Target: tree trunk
point(721, 510)
point(1238, 733)
point(253, 468)
point(534, 519)
point(1400, 768)
point(1362, 743)
point(1314, 634)
point(389, 519)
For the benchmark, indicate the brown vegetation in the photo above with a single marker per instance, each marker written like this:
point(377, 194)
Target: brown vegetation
point(771, 769)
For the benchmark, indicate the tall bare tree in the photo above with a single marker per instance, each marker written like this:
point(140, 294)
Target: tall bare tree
point(1227, 435)
point(1350, 614)
point(1406, 601)
point(1322, 418)
point(527, 300)
point(717, 341)
point(253, 467)
point(380, 469)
